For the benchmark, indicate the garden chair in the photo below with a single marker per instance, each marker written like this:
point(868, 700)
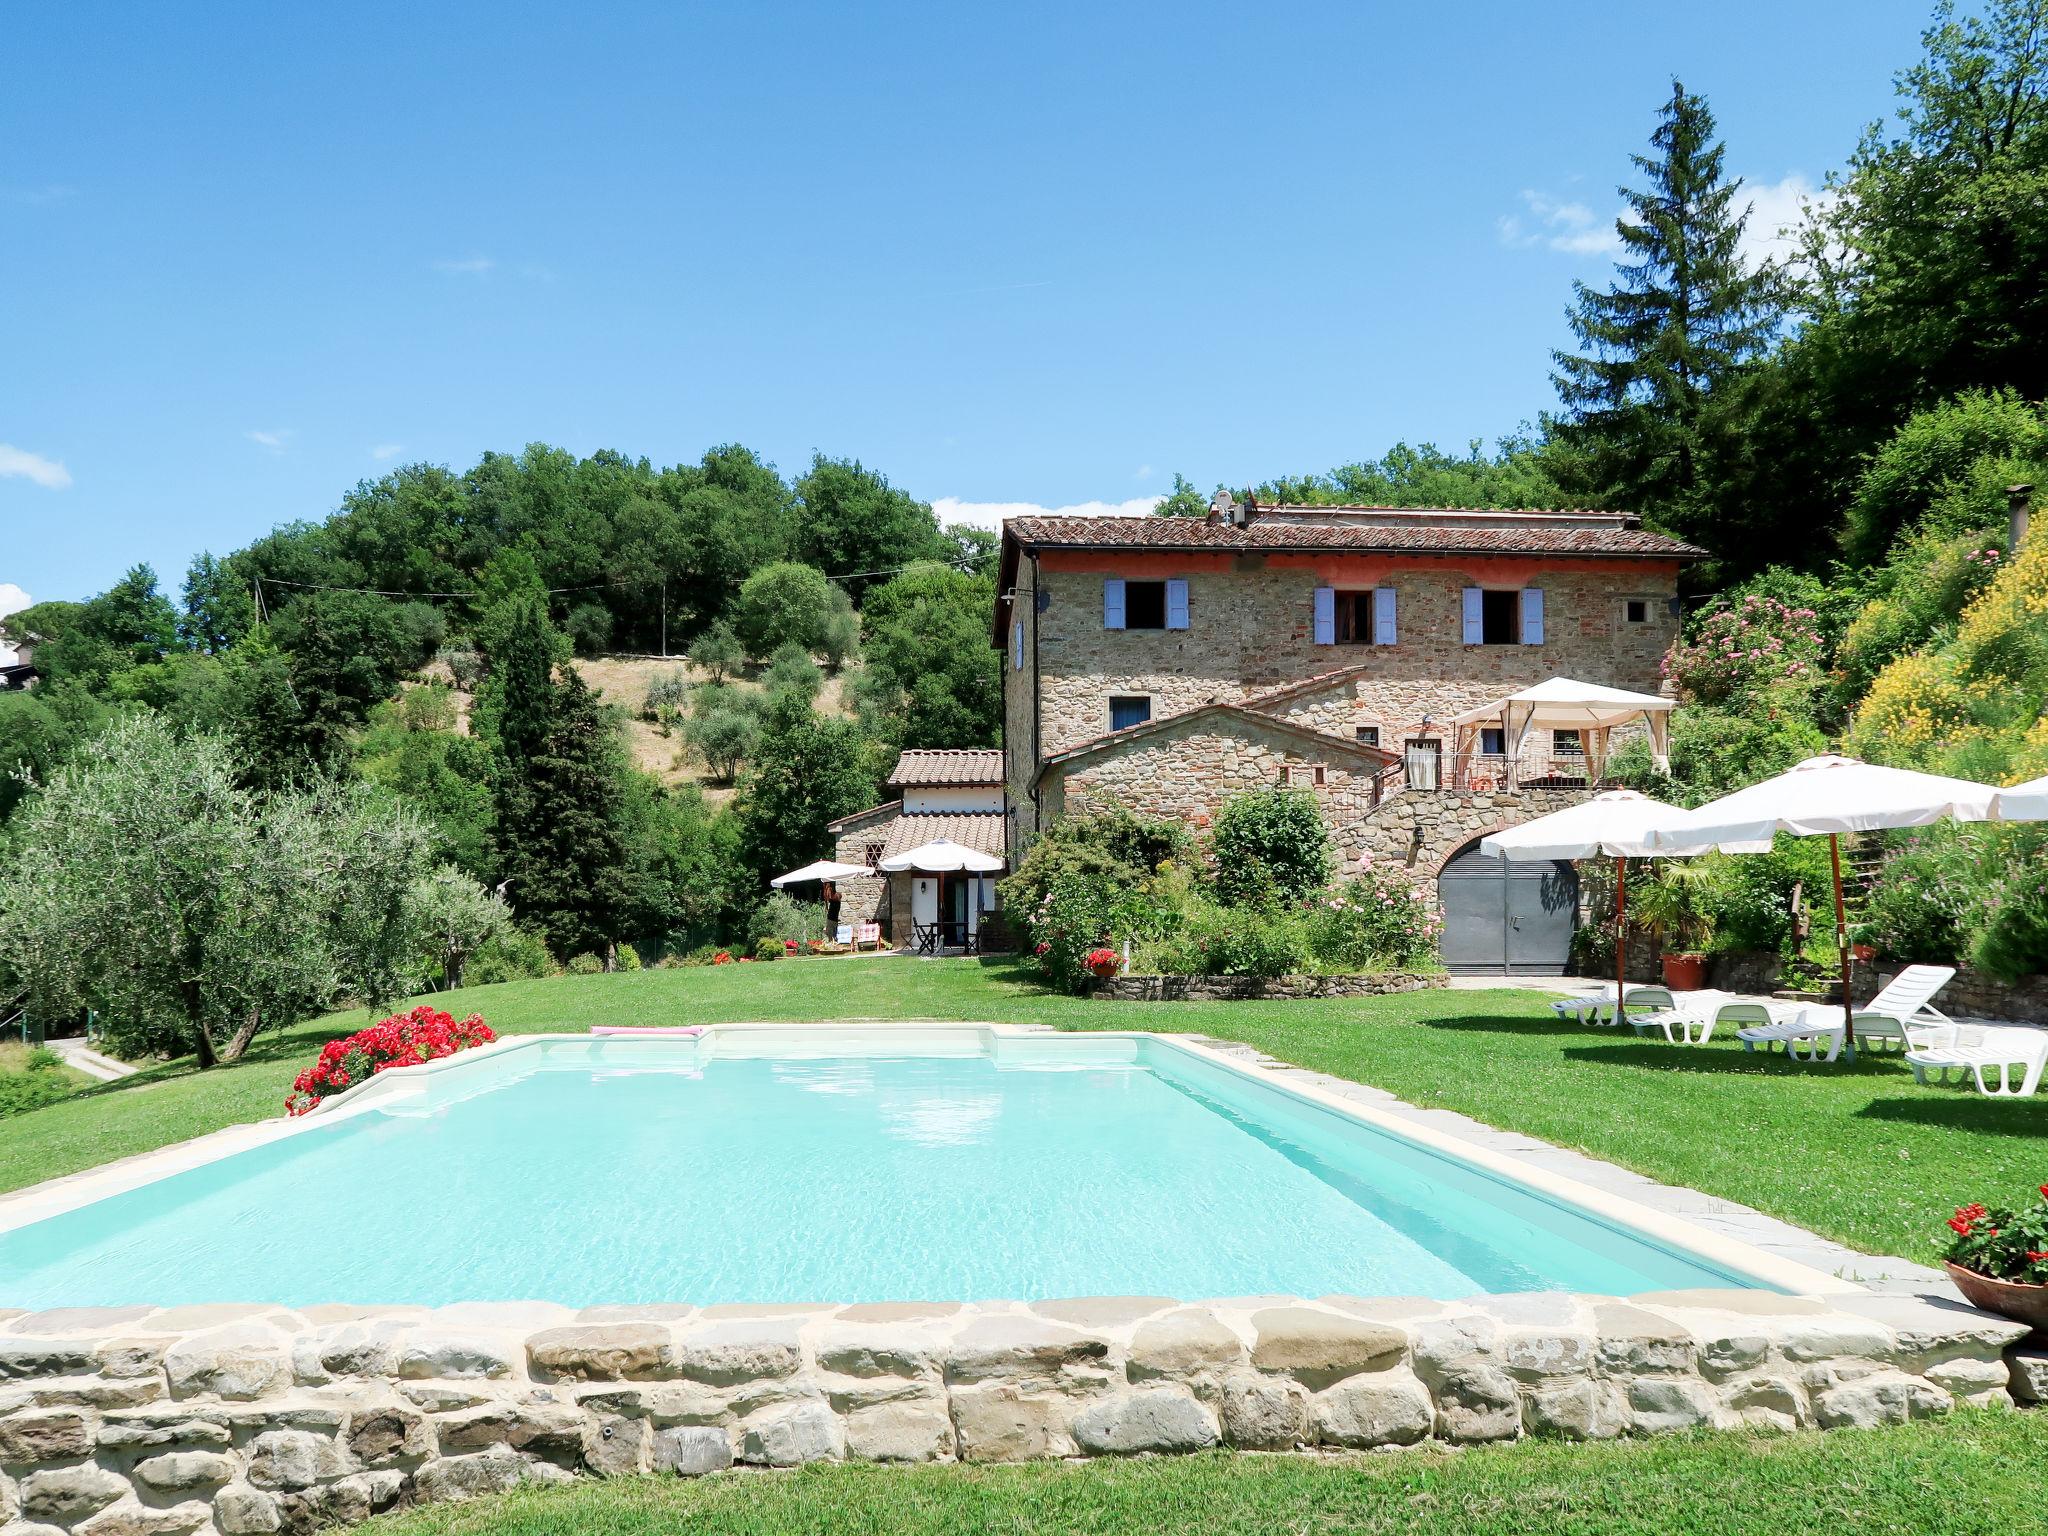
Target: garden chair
point(1693, 1020)
point(1960, 1052)
point(865, 934)
point(843, 934)
point(1809, 1034)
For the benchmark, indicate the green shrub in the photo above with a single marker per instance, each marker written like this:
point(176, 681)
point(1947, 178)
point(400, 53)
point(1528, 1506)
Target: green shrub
point(30, 1078)
point(667, 696)
point(782, 916)
point(628, 958)
point(1239, 941)
point(1926, 900)
point(1114, 844)
point(766, 948)
point(585, 965)
point(1379, 921)
point(1270, 845)
point(1076, 915)
point(519, 955)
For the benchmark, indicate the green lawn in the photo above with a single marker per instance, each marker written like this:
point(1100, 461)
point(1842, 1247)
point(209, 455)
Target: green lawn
point(1858, 1153)
point(1967, 1474)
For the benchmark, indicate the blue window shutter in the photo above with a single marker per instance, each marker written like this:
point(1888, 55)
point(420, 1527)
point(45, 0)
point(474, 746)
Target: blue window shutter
point(1475, 617)
point(1532, 615)
point(1125, 713)
point(1017, 643)
point(1326, 616)
point(1113, 602)
point(1177, 603)
point(1384, 629)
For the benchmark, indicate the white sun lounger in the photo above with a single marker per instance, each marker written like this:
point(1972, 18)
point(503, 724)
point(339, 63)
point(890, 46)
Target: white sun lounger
point(1588, 1007)
point(1962, 1052)
point(1816, 1034)
point(1699, 1014)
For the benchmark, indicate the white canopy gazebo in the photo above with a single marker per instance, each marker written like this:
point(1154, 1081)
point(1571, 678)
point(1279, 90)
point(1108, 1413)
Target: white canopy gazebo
point(1564, 704)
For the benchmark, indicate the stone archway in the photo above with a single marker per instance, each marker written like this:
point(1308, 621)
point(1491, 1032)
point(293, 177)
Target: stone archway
point(1507, 917)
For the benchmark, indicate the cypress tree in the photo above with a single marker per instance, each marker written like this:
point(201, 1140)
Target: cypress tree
point(1682, 319)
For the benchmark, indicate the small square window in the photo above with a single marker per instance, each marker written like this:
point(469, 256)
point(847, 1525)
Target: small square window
point(1368, 735)
point(1493, 741)
point(1500, 615)
point(1567, 744)
point(1636, 610)
point(1126, 711)
point(1303, 775)
point(1144, 605)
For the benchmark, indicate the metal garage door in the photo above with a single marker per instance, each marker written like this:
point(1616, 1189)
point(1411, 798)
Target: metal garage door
point(1508, 916)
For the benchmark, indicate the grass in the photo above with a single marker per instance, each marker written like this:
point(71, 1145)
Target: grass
point(1964, 1475)
point(1858, 1153)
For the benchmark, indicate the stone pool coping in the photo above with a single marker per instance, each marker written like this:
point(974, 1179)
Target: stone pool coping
point(1500, 1156)
point(189, 1421)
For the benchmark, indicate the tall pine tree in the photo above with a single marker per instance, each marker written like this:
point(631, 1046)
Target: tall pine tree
point(1683, 318)
point(558, 837)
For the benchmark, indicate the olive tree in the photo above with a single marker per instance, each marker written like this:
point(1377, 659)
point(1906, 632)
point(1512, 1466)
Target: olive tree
point(452, 918)
point(192, 914)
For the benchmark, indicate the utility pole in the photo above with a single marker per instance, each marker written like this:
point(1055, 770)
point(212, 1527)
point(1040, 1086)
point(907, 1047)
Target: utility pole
point(664, 615)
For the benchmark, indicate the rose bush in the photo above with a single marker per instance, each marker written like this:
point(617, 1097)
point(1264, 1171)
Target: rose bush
point(1378, 921)
point(403, 1040)
point(2003, 1244)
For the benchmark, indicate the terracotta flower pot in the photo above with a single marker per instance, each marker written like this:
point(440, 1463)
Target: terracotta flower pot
point(1685, 973)
point(2022, 1303)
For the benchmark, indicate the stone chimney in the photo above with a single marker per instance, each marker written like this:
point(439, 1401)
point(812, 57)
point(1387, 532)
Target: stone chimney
point(2018, 511)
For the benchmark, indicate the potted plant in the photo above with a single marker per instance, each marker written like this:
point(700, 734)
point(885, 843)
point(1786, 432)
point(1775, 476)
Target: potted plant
point(1678, 906)
point(1103, 964)
point(1999, 1259)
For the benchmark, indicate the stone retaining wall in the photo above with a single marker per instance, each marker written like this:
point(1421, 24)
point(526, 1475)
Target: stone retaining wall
point(135, 1422)
point(1971, 993)
point(1213, 989)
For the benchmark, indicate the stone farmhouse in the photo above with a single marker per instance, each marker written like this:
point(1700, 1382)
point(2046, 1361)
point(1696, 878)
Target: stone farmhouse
point(1167, 664)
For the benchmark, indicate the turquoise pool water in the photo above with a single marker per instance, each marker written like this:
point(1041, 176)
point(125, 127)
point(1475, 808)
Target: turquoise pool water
point(586, 1174)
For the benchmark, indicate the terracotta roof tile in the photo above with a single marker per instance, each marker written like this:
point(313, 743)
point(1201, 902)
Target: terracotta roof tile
point(1604, 535)
point(980, 830)
point(920, 768)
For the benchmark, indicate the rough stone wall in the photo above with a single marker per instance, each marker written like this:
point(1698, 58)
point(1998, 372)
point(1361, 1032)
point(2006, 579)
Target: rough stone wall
point(1972, 993)
point(1253, 629)
point(1187, 771)
point(1020, 740)
point(232, 1420)
point(1230, 989)
point(1420, 830)
point(863, 898)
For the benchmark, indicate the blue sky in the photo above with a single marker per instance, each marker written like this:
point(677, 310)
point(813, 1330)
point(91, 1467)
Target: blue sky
point(1048, 255)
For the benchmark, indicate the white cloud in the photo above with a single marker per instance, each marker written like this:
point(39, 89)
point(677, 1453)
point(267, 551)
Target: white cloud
point(1776, 209)
point(12, 600)
point(467, 266)
point(20, 464)
point(1555, 224)
point(1144, 472)
point(385, 451)
point(274, 441)
point(990, 514)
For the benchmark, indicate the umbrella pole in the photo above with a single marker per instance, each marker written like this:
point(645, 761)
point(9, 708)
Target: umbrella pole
point(1842, 942)
point(1620, 934)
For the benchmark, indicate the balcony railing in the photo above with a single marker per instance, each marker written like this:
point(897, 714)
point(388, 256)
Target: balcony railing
point(1481, 773)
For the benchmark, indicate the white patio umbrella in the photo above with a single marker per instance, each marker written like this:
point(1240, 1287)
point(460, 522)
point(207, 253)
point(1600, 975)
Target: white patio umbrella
point(1618, 824)
point(823, 869)
point(943, 856)
point(1825, 797)
point(2022, 802)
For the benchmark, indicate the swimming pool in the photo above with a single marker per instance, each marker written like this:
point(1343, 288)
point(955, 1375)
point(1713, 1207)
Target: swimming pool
point(853, 1165)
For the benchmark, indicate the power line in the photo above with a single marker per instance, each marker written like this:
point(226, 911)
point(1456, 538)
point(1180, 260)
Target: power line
point(315, 586)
